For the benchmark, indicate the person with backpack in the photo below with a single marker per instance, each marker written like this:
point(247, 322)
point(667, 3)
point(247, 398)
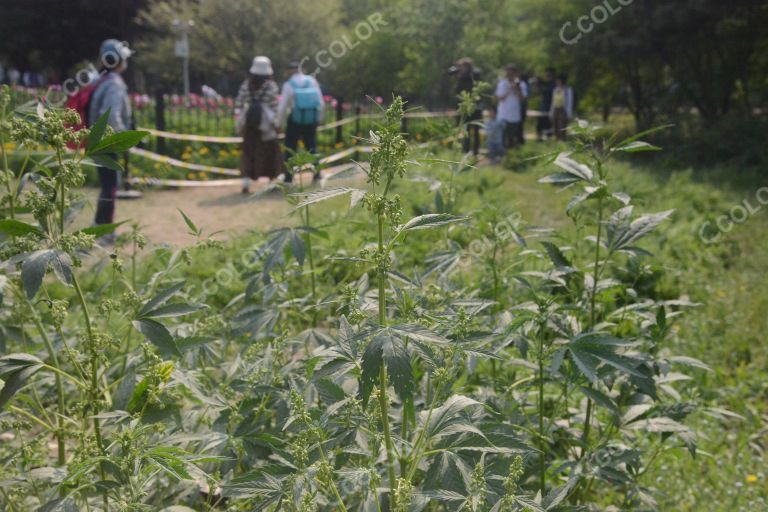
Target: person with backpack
point(256, 122)
point(303, 100)
point(108, 93)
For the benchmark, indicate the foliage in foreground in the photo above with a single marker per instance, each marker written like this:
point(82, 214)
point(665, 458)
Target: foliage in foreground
point(391, 376)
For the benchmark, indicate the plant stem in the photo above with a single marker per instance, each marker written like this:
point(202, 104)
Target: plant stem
point(94, 376)
point(384, 406)
point(542, 465)
point(417, 445)
point(333, 484)
point(383, 381)
point(62, 193)
point(133, 266)
point(94, 364)
point(593, 317)
point(311, 259)
point(32, 417)
point(593, 297)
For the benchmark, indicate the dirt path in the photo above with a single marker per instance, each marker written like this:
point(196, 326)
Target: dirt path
point(212, 209)
point(223, 209)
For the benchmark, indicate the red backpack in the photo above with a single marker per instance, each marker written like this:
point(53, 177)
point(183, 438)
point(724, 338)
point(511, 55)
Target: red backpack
point(80, 102)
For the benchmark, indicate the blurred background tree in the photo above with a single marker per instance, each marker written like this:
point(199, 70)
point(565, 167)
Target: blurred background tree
point(659, 59)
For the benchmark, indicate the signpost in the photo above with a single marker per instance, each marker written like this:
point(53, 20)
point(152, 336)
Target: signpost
point(181, 50)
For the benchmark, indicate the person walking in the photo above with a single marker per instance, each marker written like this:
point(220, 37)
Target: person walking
point(511, 93)
point(494, 136)
point(110, 94)
point(467, 75)
point(256, 122)
point(545, 86)
point(302, 103)
point(561, 110)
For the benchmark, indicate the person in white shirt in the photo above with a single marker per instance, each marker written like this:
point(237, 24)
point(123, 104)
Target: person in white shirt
point(300, 111)
point(511, 93)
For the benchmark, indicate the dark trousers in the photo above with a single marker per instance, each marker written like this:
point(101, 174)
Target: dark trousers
point(105, 208)
point(511, 134)
point(306, 133)
point(543, 127)
point(521, 128)
point(472, 133)
point(472, 139)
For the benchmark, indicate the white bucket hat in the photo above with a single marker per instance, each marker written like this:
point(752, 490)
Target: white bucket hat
point(261, 66)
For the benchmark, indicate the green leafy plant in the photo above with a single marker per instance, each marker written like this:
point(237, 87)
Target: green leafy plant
point(352, 361)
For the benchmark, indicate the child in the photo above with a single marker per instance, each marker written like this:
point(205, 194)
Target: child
point(494, 134)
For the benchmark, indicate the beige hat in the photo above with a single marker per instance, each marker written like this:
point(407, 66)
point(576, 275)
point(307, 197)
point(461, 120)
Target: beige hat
point(262, 66)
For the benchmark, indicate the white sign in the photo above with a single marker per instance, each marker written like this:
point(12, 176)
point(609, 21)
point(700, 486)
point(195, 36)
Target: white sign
point(182, 48)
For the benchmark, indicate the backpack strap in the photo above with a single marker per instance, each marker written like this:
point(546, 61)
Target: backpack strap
point(295, 85)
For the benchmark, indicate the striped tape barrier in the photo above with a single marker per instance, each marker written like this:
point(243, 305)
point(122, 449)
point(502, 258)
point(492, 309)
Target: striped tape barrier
point(326, 173)
point(184, 165)
point(329, 126)
point(335, 157)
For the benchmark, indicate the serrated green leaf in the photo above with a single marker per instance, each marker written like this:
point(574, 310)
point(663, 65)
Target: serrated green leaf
point(101, 229)
point(108, 161)
point(556, 255)
point(321, 195)
point(661, 425)
point(191, 225)
point(15, 370)
point(636, 147)
point(298, 247)
point(560, 178)
point(33, 270)
point(139, 396)
point(622, 233)
point(161, 298)
point(156, 333)
point(169, 461)
point(117, 142)
point(389, 350)
point(600, 398)
point(573, 167)
point(173, 310)
point(448, 416)
point(13, 227)
point(430, 220)
point(97, 131)
point(419, 333)
point(642, 134)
